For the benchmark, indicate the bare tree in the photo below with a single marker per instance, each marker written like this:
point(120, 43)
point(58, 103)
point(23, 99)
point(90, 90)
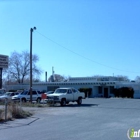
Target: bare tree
point(137, 79)
point(122, 78)
point(19, 66)
point(118, 77)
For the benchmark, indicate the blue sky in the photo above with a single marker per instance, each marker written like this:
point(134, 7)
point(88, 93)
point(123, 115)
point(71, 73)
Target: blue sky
point(77, 37)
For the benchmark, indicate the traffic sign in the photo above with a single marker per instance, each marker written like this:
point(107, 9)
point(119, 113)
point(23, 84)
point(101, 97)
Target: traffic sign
point(3, 61)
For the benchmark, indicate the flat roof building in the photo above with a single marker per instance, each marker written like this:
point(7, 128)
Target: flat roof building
point(101, 86)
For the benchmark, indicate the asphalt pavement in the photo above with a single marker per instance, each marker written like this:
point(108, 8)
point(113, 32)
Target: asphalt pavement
point(95, 119)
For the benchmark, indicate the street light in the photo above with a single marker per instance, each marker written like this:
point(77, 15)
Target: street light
point(31, 32)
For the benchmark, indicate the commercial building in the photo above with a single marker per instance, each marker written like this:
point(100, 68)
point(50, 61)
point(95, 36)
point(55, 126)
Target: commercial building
point(93, 87)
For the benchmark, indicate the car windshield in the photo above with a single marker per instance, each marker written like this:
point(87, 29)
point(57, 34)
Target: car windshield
point(1, 93)
point(39, 92)
point(24, 93)
point(16, 93)
point(50, 92)
point(8, 93)
point(60, 91)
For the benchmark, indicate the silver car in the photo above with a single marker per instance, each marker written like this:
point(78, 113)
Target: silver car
point(25, 96)
point(7, 95)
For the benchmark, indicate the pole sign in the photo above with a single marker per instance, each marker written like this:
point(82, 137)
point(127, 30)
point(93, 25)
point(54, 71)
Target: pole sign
point(3, 61)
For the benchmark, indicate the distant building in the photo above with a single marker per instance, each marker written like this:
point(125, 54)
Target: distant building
point(95, 87)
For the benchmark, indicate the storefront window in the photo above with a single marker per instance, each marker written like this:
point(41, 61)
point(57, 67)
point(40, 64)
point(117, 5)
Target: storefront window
point(100, 89)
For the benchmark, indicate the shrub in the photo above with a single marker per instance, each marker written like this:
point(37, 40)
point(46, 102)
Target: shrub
point(124, 92)
point(12, 90)
point(17, 111)
point(87, 91)
point(14, 111)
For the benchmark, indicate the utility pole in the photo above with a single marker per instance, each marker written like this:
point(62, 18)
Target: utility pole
point(46, 76)
point(31, 32)
point(53, 76)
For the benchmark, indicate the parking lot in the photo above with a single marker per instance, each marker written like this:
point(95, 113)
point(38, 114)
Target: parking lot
point(97, 118)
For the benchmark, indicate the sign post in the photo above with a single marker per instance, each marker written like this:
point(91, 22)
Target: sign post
point(0, 78)
point(5, 109)
point(3, 64)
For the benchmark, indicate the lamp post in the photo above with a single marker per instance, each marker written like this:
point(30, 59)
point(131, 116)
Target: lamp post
point(31, 32)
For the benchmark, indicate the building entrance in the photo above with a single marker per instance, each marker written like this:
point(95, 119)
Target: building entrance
point(106, 92)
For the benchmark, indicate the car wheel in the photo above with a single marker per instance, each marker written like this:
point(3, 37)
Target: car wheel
point(38, 100)
point(63, 102)
point(23, 100)
point(79, 102)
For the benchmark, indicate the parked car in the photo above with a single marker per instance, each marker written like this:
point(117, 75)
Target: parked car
point(25, 96)
point(2, 91)
point(7, 95)
point(17, 93)
point(65, 95)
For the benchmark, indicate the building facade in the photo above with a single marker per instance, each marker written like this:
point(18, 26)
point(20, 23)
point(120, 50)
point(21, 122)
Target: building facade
point(93, 87)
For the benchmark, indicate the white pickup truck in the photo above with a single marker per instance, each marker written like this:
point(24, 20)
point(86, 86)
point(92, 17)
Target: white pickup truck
point(65, 95)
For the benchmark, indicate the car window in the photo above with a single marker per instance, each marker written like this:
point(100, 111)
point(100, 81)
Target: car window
point(16, 93)
point(39, 92)
point(61, 91)
point(7, 93)
point(74, 90)
point(24, 93)
point(69, 91)
point(12, 94)
point(34, 92)
point(50, 92)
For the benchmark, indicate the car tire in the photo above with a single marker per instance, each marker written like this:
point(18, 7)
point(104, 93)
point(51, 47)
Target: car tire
point(63, 102)
point(38, 100)
point(79, 101)
point(23, 100)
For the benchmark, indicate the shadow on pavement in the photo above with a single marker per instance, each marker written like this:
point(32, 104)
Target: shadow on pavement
point(18, 123)
point(76, 105)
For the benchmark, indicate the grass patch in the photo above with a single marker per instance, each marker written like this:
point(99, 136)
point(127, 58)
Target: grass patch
point(28, 104)
point(17, 111)
point(14, 111)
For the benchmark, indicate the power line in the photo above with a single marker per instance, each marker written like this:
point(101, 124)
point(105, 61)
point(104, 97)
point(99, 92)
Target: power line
point(82, 55)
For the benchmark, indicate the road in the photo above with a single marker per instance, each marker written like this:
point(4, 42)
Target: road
point(96, 119)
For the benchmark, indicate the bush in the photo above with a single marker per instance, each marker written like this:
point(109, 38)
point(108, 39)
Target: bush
point(17, 111)
point(124, 92)
point(14, 111)
point(12, 90)
point(116, 92)
point(87, 91)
